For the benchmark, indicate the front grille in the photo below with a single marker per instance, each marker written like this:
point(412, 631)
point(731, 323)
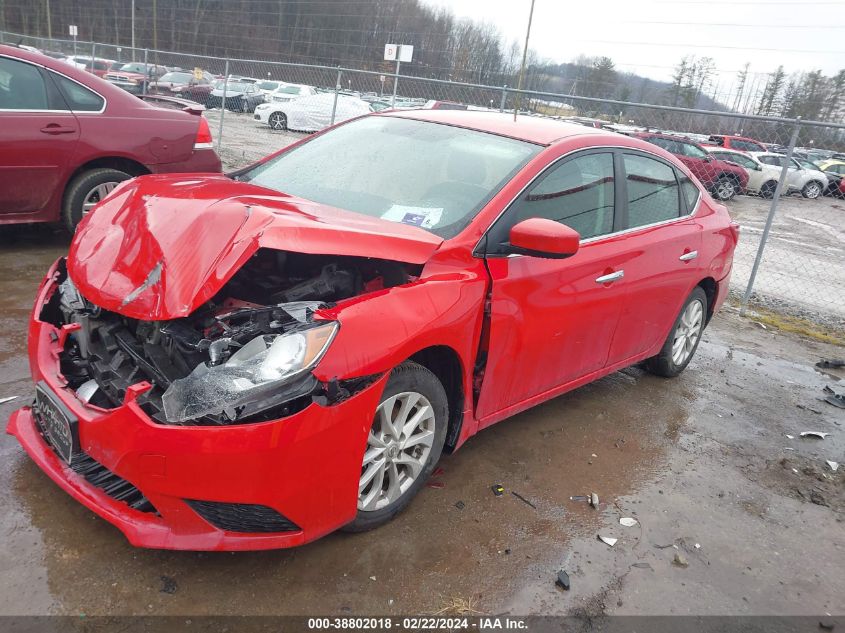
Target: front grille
point(98, 475)
point(242, 517)
point(117, 488)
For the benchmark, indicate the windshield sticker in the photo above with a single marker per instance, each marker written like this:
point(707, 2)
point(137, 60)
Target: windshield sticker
point(416, 216)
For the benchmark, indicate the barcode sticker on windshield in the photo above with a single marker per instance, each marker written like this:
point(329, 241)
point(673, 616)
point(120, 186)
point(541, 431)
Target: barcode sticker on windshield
point(416, 216)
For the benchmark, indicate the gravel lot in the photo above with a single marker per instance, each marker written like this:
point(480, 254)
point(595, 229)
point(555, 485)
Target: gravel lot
point(802, 273)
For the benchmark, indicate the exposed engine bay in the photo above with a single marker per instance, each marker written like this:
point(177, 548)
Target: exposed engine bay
point(241, 357)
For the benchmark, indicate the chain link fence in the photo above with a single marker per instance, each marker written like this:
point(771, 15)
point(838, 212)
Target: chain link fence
point(780, 179)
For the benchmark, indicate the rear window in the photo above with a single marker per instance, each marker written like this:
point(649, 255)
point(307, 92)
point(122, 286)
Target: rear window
point(78, 97)
point(177, 78)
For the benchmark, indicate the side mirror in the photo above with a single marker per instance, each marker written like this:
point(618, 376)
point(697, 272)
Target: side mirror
point(539, 237)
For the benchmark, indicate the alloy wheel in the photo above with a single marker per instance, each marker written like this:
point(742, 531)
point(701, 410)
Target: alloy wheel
point(94, 196)
point(812, 190)
point(398, 449)
point(725, 189)
point(687, 332)
point(277, 121)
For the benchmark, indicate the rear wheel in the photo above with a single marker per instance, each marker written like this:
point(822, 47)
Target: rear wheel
point(87, 190)
point(403, 447)
point(812, 190)
point(278, 121)
point(725, 188)
point(683, 339)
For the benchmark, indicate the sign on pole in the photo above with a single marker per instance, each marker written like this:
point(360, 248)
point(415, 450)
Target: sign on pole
point(390, 52)
point(406, 53)
point(73, 30)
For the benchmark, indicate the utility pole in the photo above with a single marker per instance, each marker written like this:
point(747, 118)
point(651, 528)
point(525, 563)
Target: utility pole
point(133, 30)
point(155, 25)
point(49, 21)
point(524, 59)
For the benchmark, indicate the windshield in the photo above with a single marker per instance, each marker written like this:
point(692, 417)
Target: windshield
point(425, 174)
point(233, 86)
point(268, 85)
point(176, 78)
point(288, 90)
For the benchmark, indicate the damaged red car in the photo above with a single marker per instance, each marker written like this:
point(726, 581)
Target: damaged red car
point(255, 360)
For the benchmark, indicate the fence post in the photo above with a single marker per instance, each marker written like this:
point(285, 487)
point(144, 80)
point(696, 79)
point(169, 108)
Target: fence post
point(395, 84)
point(504, 98)
point(146, 73)
point(336, 91)
point(784, 172)
point(93, 56)
point(223, 104)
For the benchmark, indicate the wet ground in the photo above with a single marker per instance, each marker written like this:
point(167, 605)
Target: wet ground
point(702, 461)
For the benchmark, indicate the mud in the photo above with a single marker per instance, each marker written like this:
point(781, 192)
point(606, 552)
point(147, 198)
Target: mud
point(699, 459)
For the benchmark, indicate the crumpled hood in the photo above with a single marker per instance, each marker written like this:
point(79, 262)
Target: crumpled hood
point(160, 246)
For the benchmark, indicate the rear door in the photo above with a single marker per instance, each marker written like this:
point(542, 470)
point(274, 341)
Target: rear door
point(552, 320)
point(658, 251)
point(39, 136)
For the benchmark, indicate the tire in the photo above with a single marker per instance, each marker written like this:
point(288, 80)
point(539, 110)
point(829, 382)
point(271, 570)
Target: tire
point(812, 190)
point(666, 363)
point(725, 188)
point(83, 191)
point(414, 384)
point(768, 189)
point(277, 121)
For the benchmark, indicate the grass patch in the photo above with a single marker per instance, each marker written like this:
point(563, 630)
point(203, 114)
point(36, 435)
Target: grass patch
point(797, 325)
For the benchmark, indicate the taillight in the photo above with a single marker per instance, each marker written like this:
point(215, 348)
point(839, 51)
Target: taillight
point(203, 136)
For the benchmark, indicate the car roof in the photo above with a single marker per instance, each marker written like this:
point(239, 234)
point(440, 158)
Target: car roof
point(539, 130)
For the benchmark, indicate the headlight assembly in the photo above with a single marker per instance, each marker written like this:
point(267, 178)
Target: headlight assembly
point(257, 371)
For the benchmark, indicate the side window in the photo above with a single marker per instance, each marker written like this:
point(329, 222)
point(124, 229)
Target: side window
point(653, 192)
point(22, 86)
point(692, 151)
point(78, 97)
point(770, 160)
point(668, 144)
point(579, 193)
point(689, 190)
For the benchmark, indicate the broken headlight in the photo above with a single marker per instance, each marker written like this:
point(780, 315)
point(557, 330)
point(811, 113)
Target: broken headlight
point(256, 371)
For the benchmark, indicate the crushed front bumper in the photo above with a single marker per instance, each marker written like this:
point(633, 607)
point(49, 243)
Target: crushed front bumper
point(303, 468)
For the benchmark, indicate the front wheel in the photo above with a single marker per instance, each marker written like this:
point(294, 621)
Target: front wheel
point(812, 190)
point(278, 121)
point(725, 188)
point(683, 340)
point(768, 189)
point(403, 446)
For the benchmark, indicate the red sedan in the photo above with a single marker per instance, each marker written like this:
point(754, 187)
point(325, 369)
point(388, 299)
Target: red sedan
point(254, 361)
point(722, 178)
point(68, 138)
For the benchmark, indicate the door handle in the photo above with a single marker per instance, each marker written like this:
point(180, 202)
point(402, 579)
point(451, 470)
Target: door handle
point(606, 279)
point(54, 128)
point(688, 256)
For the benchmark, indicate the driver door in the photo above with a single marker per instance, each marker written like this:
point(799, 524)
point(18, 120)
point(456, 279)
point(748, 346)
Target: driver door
point(552, 320)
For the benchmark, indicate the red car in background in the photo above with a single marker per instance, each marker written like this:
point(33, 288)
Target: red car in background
point(253, 361)
point(69, 138)
point(722, 179)
point(740, 143)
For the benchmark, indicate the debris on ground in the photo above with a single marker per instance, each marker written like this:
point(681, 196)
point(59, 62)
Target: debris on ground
point(523, 499)
point(628, 521)
point(810, 409)
point(168, 585)
point(817, 434)
point(498, 489)
point(7, 399)
point(790, 437)
point(836, 399)
point(437, 472)
point(608, 540)
point(460, 505)
point(594, 500)
point(827, 624)
point(834, 466)
point(373, 578)
point(563, 580)
point(643, 566)
point(679, 560)
point(579, 498)
point(830, 363)
point(435, 484)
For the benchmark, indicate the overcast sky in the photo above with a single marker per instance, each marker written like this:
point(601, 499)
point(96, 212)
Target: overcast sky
point(650, 36)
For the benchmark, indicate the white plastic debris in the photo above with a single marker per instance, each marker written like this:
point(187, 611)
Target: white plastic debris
point(628, 521)
point(5, 400)
point(594, 500)
point(372, 578)
point(795, 470)
point(819, 434)
point(608, 540)
point(791, 437)
point(834, 466)
point(698, 546)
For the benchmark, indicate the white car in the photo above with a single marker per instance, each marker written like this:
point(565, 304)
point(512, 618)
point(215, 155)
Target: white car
point(310, 114)
point(762, 178)
point(810, 182)
point(285, 92)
